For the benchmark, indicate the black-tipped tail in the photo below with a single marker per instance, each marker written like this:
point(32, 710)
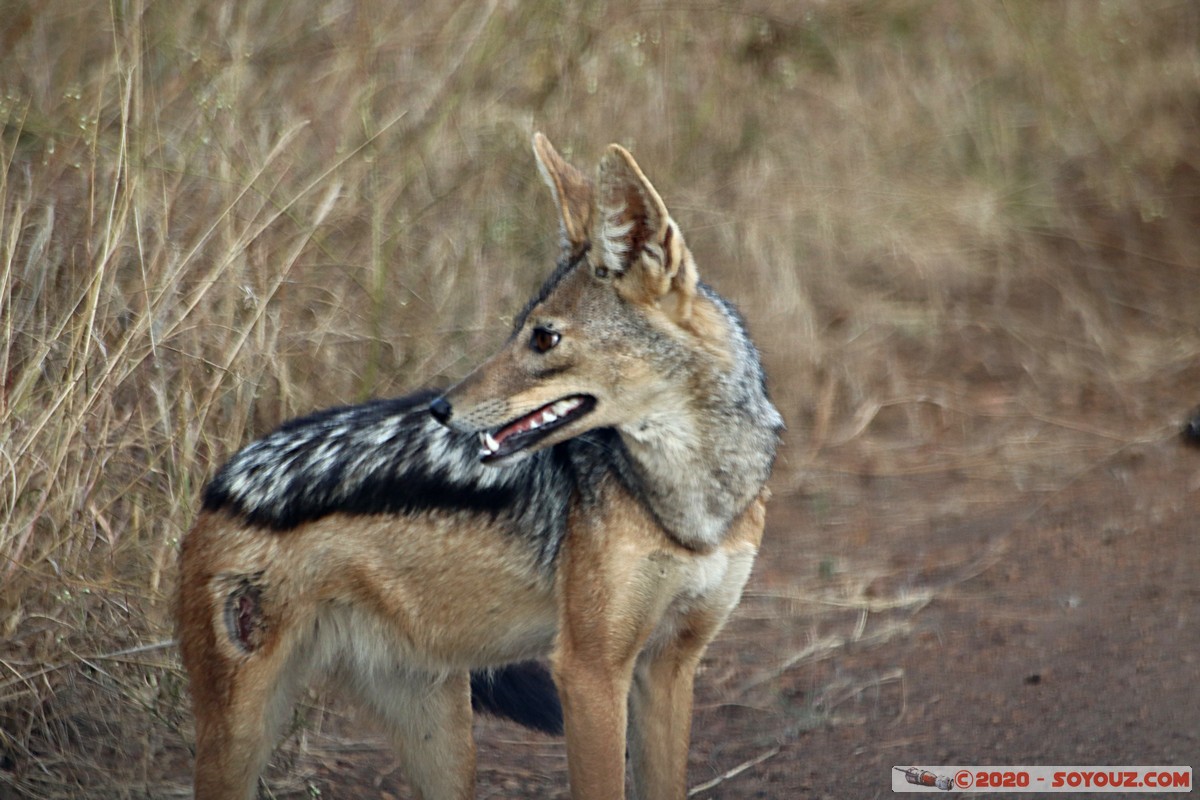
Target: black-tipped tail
point(524, 693)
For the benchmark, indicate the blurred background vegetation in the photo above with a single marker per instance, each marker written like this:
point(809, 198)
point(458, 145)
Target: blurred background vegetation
point(964, 234)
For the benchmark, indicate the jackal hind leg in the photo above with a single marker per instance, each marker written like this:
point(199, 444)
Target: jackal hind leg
point(428, 716)
point(241, 704)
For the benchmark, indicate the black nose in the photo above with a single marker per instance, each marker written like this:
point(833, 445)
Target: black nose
point(441, 410)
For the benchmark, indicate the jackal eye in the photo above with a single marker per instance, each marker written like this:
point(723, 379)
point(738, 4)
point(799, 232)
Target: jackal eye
point(543, 339)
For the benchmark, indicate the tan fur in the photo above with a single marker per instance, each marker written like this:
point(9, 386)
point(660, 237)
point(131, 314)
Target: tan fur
point(399, 608)
point(637, 613)
point(433, 596)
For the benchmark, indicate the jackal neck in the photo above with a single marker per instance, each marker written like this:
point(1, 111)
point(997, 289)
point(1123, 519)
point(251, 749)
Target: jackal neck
point(707, 449)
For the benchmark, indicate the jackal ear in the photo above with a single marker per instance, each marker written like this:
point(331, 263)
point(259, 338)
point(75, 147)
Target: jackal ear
point(572, 192)
point(637, 236)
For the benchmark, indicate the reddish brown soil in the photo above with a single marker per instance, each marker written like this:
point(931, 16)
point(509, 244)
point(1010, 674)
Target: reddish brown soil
point(976, 625)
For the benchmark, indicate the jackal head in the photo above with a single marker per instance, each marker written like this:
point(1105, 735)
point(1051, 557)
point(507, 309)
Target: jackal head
point(618, 334)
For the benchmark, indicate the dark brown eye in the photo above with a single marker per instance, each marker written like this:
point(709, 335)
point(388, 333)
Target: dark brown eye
point(601, 271)
point(543, 339)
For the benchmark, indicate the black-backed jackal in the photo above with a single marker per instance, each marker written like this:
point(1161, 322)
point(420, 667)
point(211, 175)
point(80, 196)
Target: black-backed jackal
point(594, 492)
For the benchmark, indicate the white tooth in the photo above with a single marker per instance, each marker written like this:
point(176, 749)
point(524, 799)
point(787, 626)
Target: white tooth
point(490, 442)
point(534, 424)
point(548, 416)
point(563, 407)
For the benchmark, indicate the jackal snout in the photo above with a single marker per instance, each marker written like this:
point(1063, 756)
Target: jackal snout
point(519, 430)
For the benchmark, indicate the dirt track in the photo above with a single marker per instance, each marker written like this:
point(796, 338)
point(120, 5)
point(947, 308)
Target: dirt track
point(1077, 641)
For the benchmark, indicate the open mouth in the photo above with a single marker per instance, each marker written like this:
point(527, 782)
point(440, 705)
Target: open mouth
point(533, 427)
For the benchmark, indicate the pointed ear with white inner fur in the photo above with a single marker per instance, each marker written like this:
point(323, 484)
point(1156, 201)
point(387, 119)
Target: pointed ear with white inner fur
point(638, 240)
point(572, 192)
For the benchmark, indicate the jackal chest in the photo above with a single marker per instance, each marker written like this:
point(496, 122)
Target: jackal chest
point(706, 590)
point(624, 580)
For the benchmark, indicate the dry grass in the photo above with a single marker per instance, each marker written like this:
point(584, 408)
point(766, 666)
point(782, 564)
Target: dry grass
point(965, 235)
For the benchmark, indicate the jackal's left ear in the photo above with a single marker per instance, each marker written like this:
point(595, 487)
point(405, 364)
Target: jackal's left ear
point(638, 239)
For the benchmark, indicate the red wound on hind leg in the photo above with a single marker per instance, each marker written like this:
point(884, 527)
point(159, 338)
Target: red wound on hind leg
point(246, 612)
point(244, 617)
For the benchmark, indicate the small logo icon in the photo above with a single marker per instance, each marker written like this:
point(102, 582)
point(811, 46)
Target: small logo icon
point(923, 777)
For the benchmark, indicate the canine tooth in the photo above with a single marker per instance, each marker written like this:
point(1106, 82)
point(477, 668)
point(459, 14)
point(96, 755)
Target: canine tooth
point(490, 442)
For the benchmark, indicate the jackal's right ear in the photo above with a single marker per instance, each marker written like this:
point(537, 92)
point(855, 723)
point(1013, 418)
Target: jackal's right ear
point(572, 192)
point(638, 239)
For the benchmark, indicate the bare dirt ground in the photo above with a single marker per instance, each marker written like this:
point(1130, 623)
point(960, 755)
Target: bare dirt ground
point(927, 619)
point(1060, 630)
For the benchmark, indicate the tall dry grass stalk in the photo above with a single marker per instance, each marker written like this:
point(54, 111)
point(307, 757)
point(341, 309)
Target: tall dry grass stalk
point(958, 225)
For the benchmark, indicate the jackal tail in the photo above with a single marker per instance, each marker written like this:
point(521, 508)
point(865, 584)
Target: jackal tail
point(522, 692)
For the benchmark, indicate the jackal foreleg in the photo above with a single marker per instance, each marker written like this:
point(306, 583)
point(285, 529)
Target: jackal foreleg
point(660, 706)
point(594, 715)
point(613, 595)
